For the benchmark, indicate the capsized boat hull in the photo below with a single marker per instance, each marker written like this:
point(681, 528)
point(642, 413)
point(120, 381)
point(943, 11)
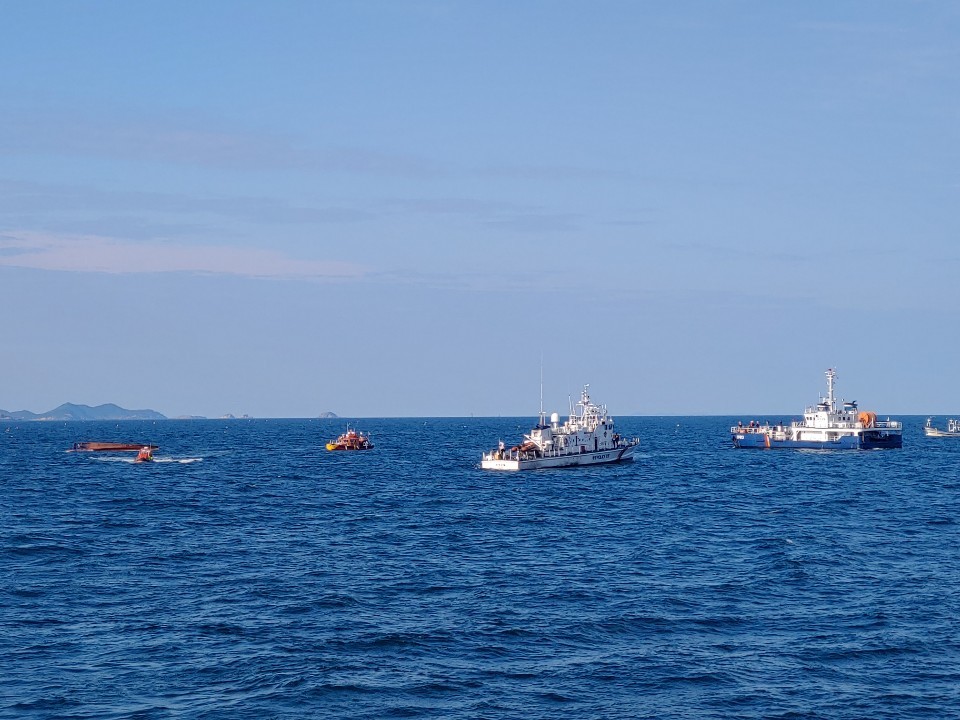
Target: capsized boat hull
point(110, 447)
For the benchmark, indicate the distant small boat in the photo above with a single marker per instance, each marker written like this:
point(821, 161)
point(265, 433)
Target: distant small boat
point(351, 440)
point(953, 429)
point(110, 447)
point(145, 454)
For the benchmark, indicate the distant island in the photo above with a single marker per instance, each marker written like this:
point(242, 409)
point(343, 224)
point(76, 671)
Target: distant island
point(69, 411)
point(109, 411)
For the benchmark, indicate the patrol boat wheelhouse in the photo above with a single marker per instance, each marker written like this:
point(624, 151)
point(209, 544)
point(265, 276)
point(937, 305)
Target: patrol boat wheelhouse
point(823, 427)
point(586, 438)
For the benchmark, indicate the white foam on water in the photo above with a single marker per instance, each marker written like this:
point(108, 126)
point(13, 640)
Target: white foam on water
point(133, 460)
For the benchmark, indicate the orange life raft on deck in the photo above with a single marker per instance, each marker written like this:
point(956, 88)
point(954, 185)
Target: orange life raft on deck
point(867, 419)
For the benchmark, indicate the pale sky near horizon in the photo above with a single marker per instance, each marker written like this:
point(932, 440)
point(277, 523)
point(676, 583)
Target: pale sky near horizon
point(388, 208)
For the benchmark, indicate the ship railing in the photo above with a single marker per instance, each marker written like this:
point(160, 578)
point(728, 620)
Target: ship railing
point(556, 452)
point(762, 429)
point(508, 455)
point(888, 424)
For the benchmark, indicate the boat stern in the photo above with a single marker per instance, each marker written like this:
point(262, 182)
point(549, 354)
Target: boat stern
point(880, 440)
point(629, 451)
point(489, 463)
point(743, 439)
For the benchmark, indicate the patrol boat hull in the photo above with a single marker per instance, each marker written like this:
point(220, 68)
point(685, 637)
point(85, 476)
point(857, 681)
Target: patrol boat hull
point(571, 460)
point(863, 441)
point(934, 432)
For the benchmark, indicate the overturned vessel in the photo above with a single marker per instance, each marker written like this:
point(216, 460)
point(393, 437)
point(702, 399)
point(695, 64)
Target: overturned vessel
point(824, 427)
point(110, 447)
point(586, 438)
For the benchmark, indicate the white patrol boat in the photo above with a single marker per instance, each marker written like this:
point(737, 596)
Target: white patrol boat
point(587, 438)
point(824, 427)
point(953, 429)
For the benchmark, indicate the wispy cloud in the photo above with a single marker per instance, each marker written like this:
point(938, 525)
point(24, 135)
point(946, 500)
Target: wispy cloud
point(537, 222)
point(222, 148)
point(552, 172)
point(181, 141)
point(86, 253)
point(132, 214)
point(505, 215)
point(851, 27)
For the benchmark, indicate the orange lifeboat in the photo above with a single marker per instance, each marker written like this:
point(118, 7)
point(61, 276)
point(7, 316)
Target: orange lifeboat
point(351, 440)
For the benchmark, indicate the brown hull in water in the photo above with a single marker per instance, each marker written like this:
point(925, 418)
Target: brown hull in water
point(110, 446)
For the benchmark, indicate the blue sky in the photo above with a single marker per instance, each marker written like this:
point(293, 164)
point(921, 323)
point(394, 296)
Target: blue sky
point(395, 208)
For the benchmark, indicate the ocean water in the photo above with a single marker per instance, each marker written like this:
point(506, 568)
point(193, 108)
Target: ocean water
point(252, 574)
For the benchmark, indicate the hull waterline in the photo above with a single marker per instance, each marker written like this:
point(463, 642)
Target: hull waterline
point(850, 442)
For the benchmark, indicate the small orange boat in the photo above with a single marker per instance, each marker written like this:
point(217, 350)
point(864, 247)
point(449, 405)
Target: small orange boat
point(145, 454)
point(351, 440)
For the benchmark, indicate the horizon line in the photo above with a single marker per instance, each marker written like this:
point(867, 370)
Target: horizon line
point(417, 417)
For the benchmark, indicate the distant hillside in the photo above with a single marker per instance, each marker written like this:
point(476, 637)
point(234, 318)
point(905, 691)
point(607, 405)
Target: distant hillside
point(69, 411)
point(327, 415)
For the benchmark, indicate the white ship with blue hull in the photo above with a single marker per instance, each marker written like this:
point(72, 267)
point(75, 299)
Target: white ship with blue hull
point(824, 427)
point(586, 438)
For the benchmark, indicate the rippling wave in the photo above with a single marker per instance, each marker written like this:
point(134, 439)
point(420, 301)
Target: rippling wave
point(250, 573)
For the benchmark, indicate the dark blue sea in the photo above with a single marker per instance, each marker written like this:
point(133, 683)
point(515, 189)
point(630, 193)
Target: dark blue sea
point(252, 574)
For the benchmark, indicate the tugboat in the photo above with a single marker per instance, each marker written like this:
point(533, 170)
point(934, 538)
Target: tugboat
point(953, 429)
point(351, 440)
point(587, 438)
point(823, 427)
